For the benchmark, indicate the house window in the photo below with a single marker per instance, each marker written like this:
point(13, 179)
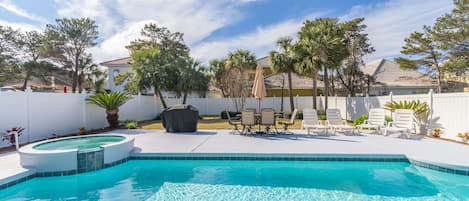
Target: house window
point(115, 72)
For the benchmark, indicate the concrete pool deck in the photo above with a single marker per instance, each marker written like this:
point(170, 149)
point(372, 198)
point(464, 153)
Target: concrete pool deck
point(148, 142)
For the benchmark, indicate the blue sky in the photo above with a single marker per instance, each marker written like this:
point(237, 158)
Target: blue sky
point(212, 28)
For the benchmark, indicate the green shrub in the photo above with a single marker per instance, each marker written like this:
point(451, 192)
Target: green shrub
point(388, 118)
point(129, 124)
point(418, 107)
point(360, 120)
point(322, 117)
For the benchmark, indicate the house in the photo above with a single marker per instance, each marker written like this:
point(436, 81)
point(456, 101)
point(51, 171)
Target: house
point(388, 76)
point(275, 83)
point(114, 67)
point(122, 65)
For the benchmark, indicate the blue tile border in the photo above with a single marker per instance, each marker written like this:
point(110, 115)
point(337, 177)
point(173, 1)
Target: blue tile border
point(58, 173)
point(271, 158)
point(255, 157)
point(439, 168)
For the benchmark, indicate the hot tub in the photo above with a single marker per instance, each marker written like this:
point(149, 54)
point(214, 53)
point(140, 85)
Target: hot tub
point(78, 154)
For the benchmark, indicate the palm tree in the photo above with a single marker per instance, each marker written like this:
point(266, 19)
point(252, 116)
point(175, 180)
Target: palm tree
point(238, 64)
point(324, 39)
point(284, 62)
point(219, 75)
point(192, 79)
point(111, 103)
point(307, 62)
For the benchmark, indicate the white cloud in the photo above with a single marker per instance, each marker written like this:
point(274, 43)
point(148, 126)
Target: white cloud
point(11, 7)
point(196, 19)
point(21, 26)
point(260, 42)
point(391, 22)
point(114, 47)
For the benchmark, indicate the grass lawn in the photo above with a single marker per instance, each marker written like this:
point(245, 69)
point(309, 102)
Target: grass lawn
point(209, 122)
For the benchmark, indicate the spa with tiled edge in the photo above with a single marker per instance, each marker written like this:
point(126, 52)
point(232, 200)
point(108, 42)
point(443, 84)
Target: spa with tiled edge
point(75, 154)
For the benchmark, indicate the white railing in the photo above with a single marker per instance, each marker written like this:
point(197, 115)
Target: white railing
point(47, 114)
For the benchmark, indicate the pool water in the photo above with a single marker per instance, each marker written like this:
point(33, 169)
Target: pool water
point(247, 180)
point(79, 143)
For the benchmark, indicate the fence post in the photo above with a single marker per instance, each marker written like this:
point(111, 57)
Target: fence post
point(206, 105)
point(367, 103)
point(296, 99)
point(83, 108)
point(430, 97)
point(28, 91)
point(335, 101)
point(347, 99)
point(139, 105)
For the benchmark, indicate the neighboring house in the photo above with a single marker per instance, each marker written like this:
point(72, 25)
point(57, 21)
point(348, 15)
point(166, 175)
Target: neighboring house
point(115, 67)
point(302, 85)
point(457, 83)
point(55, 82)
point(388, 76)
point(122, 65)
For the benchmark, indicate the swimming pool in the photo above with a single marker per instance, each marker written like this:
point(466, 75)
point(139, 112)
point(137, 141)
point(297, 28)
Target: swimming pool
point(247, 180)
point(79, 143)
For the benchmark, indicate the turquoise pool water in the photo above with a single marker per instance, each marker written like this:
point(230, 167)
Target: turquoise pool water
point(79, 143)
point(247, 180)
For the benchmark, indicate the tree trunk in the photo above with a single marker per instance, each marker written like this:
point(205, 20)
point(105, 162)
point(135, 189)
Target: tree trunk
point(438, 78)
point(326, 88)
point(184, 98)
point(315, 89)
point(75, 74)
point(113, 118)
point(26, 79)
point(290, 92)
point(281, 94)
point(163, 102)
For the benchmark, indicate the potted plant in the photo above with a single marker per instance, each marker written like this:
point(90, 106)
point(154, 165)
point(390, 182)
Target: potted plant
point(421, 112)
point(11, 135)
point(464, 136)
point(111, 103)
point(437, 132)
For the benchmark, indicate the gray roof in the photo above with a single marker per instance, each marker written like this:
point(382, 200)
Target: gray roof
point(264, 62)
point(274, 81)
point(389, 73)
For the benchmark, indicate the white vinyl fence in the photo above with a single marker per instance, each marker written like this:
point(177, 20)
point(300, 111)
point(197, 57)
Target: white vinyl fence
point(46, 114)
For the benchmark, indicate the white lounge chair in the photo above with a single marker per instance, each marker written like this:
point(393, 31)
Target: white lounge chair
point(310, 121)
point(403, 122)
point(376, 120)
point(335, 122)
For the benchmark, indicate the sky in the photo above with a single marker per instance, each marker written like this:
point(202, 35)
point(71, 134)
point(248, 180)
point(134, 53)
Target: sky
point(213, 28)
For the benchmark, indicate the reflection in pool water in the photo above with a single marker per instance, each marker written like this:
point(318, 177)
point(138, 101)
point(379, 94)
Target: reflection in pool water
point(248, 180)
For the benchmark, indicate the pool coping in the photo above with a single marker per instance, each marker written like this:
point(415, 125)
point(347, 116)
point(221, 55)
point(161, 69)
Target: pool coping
point(464, 171)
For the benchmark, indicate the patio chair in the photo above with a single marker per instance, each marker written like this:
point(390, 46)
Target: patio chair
point(335, 122)
point(310, 121)
point(376, 120)
point(403, 122)
point(233, 123)
point(268, 119)
point(248, 120)
point(286, 124)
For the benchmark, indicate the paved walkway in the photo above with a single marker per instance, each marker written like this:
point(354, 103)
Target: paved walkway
point(220, 141)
